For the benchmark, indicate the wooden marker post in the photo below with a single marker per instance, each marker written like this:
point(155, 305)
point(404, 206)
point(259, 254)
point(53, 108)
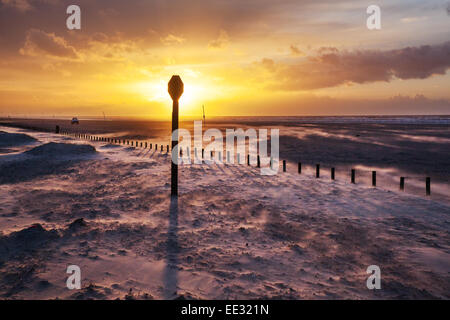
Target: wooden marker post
point(374, 178)
point(299, 168)
point(332, 173)
point(402, 183)
point(428, 185)
point(317, 170)
point(175, 88)
point(353, 175)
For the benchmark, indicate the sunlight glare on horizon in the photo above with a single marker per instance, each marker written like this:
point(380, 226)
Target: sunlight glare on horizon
point(194, 95)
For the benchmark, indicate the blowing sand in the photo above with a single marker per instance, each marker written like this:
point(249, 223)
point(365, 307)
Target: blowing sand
point(232, 234)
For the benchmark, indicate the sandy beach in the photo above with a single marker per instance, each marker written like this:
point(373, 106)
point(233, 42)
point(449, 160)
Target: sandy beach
point(232, 234)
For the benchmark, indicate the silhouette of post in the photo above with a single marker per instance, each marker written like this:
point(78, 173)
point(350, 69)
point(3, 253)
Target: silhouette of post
point(175, 88)
point(402, 183)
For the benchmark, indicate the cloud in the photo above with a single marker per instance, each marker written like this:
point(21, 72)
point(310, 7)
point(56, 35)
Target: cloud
point(295, 51)
point(21, 5)
point(26, 5)
point(40, 42)
point(221, 42)
point(331, 67)
point(171, 39)
point(108, 13)
point(413, 19)
point(268, 64)
point(448, 8)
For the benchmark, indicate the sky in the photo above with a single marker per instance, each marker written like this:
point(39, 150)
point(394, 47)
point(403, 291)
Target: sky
point(238, 58)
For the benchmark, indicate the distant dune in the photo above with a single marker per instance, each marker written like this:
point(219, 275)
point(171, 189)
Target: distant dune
point(61, 149)
point(14, 139)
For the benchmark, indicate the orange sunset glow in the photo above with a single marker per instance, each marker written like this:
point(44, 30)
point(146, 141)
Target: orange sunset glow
point(236, 58)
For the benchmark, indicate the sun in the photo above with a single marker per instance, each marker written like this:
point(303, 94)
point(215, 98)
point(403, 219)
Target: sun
point(193, 96)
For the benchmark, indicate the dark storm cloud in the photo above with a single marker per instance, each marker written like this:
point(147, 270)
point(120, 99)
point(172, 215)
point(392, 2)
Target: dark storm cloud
point(332, 67)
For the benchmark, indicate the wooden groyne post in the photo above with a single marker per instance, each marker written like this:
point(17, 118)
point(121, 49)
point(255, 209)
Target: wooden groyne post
point(402, 183)
point(175, 88)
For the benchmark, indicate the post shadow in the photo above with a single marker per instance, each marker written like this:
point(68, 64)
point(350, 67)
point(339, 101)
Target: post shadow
point(170, 280)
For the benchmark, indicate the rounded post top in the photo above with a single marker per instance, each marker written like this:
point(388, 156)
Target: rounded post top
point(175, 87)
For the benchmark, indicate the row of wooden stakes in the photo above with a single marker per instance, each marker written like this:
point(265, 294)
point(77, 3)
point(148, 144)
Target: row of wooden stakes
point(258, 160)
